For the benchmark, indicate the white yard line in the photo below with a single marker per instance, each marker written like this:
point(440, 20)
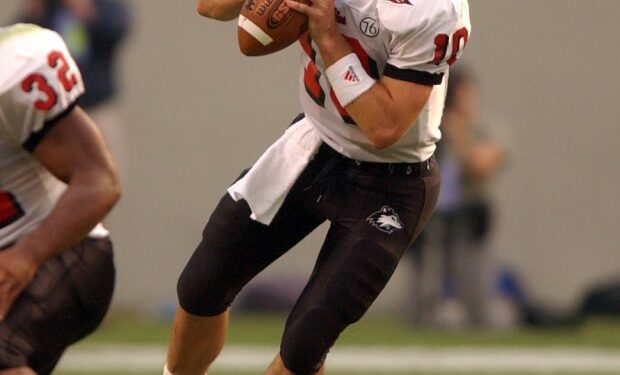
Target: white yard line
point(378, 359)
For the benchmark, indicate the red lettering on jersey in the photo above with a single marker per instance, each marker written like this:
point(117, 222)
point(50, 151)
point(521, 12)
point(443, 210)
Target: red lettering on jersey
point(51, 98)
point(306, 45)
point(10, 210)
point(311, 83)
point(311, 71)
point(68, 81)
point(57, 60)
point(460, 34)
point(441, 46)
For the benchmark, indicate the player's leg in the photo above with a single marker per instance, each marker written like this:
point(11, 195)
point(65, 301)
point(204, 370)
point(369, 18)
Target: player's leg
point(66, 300)
point(359, 255)
point(195, 341)
point(349, 275)
point(234, 249)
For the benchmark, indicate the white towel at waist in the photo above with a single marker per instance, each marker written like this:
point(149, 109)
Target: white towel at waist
point(268, 182)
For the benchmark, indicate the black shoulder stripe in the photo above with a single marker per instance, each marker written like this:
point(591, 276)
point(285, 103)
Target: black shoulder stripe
point(410, 75)
point(36, 137)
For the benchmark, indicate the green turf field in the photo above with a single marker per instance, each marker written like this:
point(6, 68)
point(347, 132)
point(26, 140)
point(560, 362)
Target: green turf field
point(265, 330)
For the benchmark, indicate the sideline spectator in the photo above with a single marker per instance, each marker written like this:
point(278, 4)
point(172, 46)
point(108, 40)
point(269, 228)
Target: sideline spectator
point(453, 258)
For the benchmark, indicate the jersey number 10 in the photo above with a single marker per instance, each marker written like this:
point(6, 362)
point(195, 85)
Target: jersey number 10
point(441, 46)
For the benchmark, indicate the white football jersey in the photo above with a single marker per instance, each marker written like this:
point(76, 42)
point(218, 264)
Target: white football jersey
point(411, 40)
point(39, 82)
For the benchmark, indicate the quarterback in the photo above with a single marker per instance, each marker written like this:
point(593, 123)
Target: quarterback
point(57, 181)
point(372, 86)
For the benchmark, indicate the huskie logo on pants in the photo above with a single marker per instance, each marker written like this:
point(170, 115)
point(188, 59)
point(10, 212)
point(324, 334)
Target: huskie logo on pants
point(386, 220)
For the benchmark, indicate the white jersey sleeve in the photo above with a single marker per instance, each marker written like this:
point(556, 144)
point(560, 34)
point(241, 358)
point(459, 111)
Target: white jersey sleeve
point(38, 84)
point(426, 37)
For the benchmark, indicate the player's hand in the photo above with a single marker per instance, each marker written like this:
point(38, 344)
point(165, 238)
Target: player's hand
point(16, 271)
point(321, 17)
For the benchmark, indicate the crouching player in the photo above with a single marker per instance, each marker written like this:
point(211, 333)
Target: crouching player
point(57, 182)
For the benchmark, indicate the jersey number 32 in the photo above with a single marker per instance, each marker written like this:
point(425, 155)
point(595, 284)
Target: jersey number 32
point(56, 60)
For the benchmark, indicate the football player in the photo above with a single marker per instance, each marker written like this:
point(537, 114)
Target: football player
point(57, 181)
point(372, 89)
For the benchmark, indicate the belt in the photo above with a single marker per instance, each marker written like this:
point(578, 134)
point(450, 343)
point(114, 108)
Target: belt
point(415, 169)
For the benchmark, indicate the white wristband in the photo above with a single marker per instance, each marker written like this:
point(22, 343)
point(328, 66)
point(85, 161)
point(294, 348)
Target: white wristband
point(348, 79)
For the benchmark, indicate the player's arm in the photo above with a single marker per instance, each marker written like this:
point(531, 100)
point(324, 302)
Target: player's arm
point(221, 10)
point(388, 109)
point(74, 151)
point(390, 106)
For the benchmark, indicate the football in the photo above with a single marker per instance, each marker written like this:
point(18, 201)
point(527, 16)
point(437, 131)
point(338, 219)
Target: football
point(267, 26)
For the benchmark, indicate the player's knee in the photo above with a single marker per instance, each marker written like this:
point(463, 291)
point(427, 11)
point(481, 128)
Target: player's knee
point(309, 336)
point(203, 291)
point(201, 298)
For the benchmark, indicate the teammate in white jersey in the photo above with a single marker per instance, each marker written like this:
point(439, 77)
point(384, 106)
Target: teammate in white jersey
point(57, 181)
point(372, 89)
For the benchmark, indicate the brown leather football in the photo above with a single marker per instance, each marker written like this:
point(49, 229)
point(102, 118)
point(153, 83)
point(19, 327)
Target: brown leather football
point(267, 26)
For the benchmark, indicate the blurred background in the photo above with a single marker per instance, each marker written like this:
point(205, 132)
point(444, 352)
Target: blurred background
point(194, 112)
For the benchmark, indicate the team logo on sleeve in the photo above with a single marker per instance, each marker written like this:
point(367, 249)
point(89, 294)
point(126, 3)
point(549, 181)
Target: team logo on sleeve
point(386, 220)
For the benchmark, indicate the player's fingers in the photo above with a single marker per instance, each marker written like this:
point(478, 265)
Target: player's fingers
point(300, 7)
point(300, 2)
point(307, 2)
point(296, 5)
